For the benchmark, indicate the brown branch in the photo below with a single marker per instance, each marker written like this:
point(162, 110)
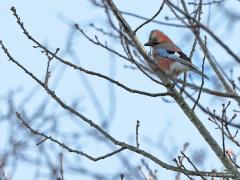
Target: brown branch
point(233, 161)
point(103, 31)
point(39, 45)
point(129, 54)
point(222, 124)
point(180, 165)
point(180, 159)
point(189, 160)
point(208, 91)
point(207, 111)
point(50, 138)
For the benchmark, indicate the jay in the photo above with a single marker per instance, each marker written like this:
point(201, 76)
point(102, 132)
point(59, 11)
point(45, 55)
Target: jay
point(169, 57)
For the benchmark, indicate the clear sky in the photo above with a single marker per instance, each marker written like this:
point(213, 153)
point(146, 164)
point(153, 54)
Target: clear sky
point(165, 123)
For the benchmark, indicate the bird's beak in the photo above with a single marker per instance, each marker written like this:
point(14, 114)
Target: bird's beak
point(148, 44)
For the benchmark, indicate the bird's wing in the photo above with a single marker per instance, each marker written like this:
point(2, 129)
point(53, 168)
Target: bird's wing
point(177, 56)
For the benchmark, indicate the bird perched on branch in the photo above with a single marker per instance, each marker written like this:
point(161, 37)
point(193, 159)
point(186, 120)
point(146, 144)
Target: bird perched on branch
point(169, 57)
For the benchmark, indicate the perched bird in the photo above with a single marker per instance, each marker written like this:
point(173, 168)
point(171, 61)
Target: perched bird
point(169, 57)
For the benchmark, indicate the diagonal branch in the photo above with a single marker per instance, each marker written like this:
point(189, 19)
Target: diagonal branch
point(79, 68)
point(50, 138)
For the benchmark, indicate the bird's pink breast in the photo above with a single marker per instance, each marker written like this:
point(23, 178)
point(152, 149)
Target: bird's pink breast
point(165, 65)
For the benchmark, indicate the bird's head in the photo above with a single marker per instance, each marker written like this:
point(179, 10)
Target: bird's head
point(157, 37)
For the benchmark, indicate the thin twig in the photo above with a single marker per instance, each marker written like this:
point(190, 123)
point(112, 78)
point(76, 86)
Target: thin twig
point(68, 63)
point(189, 160)
point(222, 125)
point(65, 146)
point(61, 166)
point(137, 133)
point(48, 73)
point(149, 20)
point(200, 91)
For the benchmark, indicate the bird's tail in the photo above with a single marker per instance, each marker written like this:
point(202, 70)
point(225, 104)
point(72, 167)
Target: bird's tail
point(199, 73)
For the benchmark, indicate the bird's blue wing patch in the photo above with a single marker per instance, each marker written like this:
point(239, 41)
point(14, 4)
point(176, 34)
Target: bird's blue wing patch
point(161, 52)
point(173, 55)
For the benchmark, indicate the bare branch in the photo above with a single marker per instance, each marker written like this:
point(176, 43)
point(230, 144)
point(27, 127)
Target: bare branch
point(137, 133)
point(199, 94)
point(61, 166)
point(65, 146)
